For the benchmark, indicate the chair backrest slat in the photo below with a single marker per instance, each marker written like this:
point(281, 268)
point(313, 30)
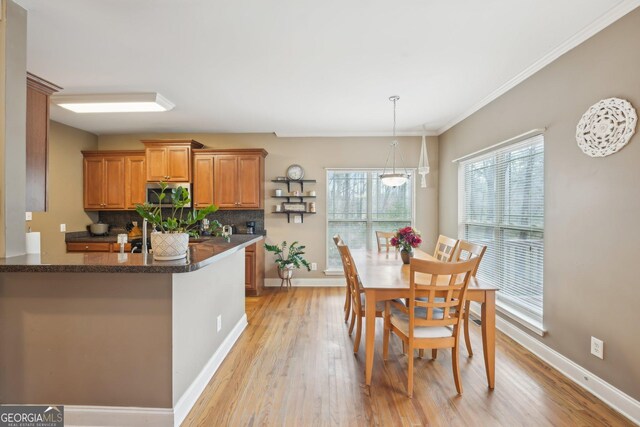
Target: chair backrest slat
point(444, 296)
point(467, 250)
point(445, 248)
point(383, 235)
point(351, 274)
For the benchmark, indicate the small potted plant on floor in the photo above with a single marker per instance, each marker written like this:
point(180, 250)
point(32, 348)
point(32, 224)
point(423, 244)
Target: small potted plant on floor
point(406, 239)
point(286, 264)
point(170, 240)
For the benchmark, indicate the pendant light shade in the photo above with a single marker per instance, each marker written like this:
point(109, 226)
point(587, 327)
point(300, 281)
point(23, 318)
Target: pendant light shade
point(391, 177)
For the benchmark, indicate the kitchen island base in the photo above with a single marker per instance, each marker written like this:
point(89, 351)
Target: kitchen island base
point(120, 348)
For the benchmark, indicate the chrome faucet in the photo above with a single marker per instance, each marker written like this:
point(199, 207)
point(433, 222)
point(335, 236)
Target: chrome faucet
point(144, 237)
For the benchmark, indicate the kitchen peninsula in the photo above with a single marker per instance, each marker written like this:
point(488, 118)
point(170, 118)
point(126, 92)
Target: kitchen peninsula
point(119, 338)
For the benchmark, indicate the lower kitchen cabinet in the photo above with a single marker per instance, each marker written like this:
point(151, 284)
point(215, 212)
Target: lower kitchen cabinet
point(96, 247)
point(254, 269)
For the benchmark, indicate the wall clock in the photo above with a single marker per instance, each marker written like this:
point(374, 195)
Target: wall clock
point(606, 127)
point(295, 172)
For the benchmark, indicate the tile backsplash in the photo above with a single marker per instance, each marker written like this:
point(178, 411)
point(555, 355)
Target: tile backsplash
point(238, 218)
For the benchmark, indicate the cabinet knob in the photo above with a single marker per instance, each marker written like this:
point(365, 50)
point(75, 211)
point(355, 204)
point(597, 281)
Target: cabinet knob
point(86, 247)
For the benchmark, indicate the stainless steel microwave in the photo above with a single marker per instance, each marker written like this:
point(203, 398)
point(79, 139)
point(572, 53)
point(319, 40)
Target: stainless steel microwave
point(154, 190)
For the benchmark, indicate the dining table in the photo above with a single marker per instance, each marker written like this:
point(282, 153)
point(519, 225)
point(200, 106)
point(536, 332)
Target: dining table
point(384, 277)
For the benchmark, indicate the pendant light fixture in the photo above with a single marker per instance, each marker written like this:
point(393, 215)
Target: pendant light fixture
point(392, 178)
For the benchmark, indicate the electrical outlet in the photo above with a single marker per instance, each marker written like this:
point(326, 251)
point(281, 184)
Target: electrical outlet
point(219, 322)
point(63, 228)
point(314, 266)
point(28, 216)
point(597, 347)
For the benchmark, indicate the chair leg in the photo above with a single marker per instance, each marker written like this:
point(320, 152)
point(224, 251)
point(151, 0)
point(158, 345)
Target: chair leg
point(353, 322)
point(410, 373)
point(385, 339)
point(434, 353)
point(356, 342)
point(456, 369)
point(467, 336)
point(347, 305)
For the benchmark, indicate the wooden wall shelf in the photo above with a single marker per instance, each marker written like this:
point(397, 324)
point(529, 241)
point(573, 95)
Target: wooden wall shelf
point(288, 197)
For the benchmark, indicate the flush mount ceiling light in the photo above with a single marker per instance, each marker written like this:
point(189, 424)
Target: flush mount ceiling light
point(393, 178)
point(114, 103)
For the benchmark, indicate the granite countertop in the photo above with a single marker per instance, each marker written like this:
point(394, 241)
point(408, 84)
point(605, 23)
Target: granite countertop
point(85, 237)
point(200, 255)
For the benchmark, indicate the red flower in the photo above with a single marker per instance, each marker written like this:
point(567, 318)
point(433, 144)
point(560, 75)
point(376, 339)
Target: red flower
point(406, 238)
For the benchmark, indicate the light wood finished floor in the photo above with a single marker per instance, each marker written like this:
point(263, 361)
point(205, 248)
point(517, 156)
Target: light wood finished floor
point(294, 365)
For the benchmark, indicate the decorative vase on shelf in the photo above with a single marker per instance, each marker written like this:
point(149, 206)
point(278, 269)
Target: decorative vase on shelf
point(169, 246)
point(406, 256)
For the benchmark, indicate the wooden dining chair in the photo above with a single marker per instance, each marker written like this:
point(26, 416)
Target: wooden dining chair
point(466, 251)
point(383, 235)
point(357, 295)
point(445, 248)
point(433, 322)
point(347, 299)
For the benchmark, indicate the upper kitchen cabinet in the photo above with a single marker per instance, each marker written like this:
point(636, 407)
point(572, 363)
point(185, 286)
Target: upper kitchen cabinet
point(38, 93)
point(113, 180)
point(135, 184)
point(237, 181)
point(169, 160)
point(202, 180)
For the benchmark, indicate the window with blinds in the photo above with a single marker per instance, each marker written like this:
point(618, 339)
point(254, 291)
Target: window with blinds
point(502, 206)
point(358, 205)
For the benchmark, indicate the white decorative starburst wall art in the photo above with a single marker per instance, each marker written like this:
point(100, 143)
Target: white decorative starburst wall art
point(606, 127)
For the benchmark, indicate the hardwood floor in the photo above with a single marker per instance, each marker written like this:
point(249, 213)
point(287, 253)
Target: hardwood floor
point(294, 365)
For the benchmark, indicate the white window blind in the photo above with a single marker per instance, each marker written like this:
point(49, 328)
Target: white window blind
point(358, 205)
point(501, 197)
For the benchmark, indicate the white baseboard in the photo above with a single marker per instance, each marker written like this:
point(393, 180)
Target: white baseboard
point(323, 282)
point(191, 395)
point(617, 399)
point(116, 416)
point(131, 416)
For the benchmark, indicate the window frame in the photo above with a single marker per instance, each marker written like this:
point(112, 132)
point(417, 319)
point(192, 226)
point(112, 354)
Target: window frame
point(412, 181)
point(515, 311)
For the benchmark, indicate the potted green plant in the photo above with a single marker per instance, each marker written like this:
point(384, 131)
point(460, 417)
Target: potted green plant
point(170, 240)
point(286, 264)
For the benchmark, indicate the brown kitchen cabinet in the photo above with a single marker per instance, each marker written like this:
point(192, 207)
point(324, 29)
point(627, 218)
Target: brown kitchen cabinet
point(135, 180)
point(169, 160)
point(37, 140)
point(113, 180)
point(231, 178)
point(202, 180)
point(96, 247)
point(103, 182)
point(254, 269)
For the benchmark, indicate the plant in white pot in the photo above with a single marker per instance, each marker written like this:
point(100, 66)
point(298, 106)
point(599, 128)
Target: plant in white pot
point(286, 264)
point(170, 241)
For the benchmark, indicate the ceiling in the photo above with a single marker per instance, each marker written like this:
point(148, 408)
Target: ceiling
point(301, 67)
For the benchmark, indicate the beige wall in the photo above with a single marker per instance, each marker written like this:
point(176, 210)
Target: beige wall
point(86, 339)
point(314, 154)
point(592, 205)
point(65, 187)
point(13, 161)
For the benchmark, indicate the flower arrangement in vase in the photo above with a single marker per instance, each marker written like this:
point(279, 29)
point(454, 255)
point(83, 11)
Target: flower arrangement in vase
point(406, 239)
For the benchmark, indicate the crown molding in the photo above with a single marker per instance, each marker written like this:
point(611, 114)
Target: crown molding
point(595, 27)
point(351, 134)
